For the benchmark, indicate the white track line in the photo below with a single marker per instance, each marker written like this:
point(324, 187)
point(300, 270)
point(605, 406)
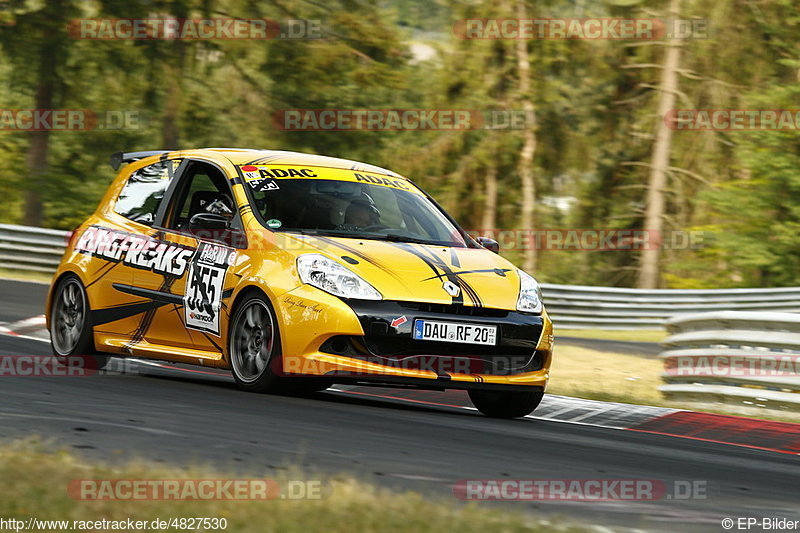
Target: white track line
point(559, 404)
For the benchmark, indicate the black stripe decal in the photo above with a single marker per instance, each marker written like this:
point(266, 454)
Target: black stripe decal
point(454, 258)
point(460, 272)
point(147, 318)
point(158, 296)
point(109, 266)
point(449, 274)
point(239, 178)
point(265, 159)
point(433, 263)
point(453, 277)
point(359, 254)
point(112, 314)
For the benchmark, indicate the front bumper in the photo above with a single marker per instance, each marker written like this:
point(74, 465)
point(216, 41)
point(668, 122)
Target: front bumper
point(388, 341)
point(385, 352)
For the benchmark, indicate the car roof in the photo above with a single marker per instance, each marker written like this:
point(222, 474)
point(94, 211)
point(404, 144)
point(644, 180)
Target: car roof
point(244, 156)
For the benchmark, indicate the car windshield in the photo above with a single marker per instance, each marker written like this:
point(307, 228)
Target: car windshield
point(352, 209)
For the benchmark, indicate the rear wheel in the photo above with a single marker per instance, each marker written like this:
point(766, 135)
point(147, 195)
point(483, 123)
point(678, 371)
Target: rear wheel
point(70, 326)
point(505, 404)
point(255, 347)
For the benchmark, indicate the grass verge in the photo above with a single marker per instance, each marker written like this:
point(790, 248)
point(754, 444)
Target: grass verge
point(643, 335)
point(39, 277)
point(606, 376)
point(36, 480)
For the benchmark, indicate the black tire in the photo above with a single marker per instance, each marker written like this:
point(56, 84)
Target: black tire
point(501, 404)
point(254, 345)
point(254, 349)
point(71, 332)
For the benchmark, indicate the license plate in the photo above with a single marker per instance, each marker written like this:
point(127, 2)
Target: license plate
point(431, 330)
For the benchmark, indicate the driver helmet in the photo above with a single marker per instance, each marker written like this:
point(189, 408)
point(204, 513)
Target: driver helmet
point(363, 203)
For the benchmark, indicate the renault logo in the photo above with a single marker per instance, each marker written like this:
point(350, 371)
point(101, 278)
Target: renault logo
point(451, 288)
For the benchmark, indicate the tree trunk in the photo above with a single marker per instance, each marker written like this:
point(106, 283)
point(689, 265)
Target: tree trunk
point(654, 214)
point(175, 65)
point(50, 54)
point(36, 161)
point(170, 135)
point(525, 166)
point(489, 218)
point(170, 131)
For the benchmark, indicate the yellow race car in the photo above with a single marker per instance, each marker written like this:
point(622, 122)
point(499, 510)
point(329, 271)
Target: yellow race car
point(297, 271)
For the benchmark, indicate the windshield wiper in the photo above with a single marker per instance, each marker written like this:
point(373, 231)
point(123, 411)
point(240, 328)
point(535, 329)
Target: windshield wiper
point(375, 236)
point(394, 237)
point(333, 233)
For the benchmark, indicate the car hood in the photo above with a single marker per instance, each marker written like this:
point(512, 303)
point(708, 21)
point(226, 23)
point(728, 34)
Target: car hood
point(423, 273)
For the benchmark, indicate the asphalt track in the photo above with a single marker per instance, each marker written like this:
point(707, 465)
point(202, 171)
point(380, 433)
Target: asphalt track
point(188, 415)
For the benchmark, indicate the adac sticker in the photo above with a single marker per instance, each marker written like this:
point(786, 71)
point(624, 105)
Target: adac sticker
point(262, 177)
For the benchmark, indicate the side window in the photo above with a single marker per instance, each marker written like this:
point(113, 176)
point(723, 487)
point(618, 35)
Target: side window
point(202, 190)
point(142, 194)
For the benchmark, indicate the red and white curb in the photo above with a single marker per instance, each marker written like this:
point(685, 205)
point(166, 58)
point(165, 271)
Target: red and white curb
point(752, 433)
point(29, 328)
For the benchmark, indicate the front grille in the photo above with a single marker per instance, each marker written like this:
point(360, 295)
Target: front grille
point(441, 357)
point(464, 310)
point(401, 346)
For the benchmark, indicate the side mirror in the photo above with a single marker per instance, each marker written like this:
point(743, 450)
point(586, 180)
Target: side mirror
point(489, 244)
point(208, 221)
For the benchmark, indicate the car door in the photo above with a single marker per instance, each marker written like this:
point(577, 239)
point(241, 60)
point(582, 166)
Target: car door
point(115, 242)
point(194, 299)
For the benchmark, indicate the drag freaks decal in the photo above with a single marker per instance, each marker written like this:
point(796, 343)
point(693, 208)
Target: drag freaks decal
point(138, 251)
point(203, 296)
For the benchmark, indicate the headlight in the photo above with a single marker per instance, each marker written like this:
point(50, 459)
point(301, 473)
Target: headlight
point(530, 295)
point(330, 276)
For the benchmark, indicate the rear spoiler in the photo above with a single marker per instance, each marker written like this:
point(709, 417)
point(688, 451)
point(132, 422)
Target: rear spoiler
point(117, 159)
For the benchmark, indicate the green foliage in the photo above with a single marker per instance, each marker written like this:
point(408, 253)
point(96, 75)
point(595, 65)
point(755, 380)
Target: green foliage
point(595, 104)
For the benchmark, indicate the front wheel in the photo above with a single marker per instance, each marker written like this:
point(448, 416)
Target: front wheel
point(254, 344)
point(255, 347)
point(505, 404)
